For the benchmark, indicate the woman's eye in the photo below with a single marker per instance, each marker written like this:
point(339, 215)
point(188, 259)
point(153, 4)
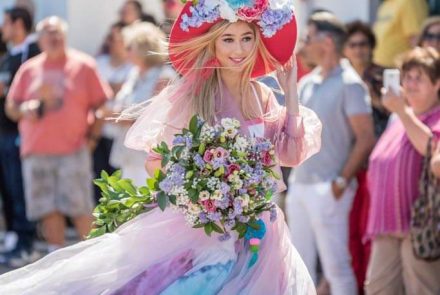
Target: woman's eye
point(228, 40)
point(247, 39)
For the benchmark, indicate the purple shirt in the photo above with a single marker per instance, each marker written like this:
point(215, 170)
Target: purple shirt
point(393, 176)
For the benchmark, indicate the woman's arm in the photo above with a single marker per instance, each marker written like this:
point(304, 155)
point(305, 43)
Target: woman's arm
point(287, 77)
point(417, 132)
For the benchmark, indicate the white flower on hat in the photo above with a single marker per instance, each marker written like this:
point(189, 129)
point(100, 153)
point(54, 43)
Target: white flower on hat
point(280, 4)
point(226, 11)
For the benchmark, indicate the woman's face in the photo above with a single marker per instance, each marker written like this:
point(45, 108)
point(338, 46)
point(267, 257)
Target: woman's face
point(420, 91)
point(357, 49)
point(116, 41)
point(234, 46)
point(432, 37)
point(135, 56)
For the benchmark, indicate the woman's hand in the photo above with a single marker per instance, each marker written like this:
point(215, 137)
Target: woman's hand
point(287, 76)
point(394, 103)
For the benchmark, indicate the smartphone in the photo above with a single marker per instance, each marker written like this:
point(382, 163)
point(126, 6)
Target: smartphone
point(391, 80)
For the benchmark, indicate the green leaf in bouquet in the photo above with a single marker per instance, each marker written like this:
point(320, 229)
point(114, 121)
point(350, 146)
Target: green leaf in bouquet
point(145, 191)
point(112, 204)
point(104, 175)
point(172, 199)
point(217, 228)
point(202, 148)
point(162, 200)
point(164, 147)
point(208, 228)
point(128, 186)
point(177, 151)
point(128, 202)
point(102, 184)
point(268, 195)
point(220, 171)
point(151, 182)
point(113, 182)
point(96, 232)
point(199, 225)
point(241, 229)
point(274, 174)
point(193, 195)
point(193, 125)
point(189, 174)
point(159, 175)
point(165, 160)
point(117, 174)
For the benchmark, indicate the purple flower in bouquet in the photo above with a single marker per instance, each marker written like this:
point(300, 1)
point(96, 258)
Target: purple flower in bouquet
point(224, 188)
point(166, 185)
point(243, 219)
point(178, 140)
point(214, 216)
point(203, 217)
point(217, 163)
point(188, 141)
point(198, 160)
point(223, 203)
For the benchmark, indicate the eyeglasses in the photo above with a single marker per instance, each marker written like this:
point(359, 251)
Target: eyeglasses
point(431, 37)
point(360, 44)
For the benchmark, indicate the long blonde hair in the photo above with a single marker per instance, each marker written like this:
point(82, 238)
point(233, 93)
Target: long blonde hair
point(202, 81)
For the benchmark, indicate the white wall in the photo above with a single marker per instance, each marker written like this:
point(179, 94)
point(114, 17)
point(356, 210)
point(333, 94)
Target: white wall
point(89, 20)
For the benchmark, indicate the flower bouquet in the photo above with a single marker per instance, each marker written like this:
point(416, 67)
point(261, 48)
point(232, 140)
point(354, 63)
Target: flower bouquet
point(218, 179)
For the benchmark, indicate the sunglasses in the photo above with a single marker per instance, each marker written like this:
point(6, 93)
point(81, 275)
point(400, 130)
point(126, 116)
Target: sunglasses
point(431, 37)
point(360, 44)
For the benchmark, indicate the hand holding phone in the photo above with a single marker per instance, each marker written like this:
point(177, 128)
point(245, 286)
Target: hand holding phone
point(391, 80)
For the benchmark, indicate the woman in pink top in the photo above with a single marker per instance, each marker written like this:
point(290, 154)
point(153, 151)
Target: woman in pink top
point(219, 55)
point(395, 169)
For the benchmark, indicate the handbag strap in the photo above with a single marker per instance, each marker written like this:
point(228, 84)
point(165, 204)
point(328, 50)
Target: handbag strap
point(429, 179)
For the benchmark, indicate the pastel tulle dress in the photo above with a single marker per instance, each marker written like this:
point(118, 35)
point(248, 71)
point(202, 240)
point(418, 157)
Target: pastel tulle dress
point(158, 253)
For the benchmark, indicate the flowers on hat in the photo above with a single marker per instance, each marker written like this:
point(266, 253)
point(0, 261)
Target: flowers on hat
point(270, 15)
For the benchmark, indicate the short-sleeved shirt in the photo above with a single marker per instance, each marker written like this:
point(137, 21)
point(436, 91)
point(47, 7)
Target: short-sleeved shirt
point(335, 99)
point(397, 21)
point(393, 177)
point(79, 89)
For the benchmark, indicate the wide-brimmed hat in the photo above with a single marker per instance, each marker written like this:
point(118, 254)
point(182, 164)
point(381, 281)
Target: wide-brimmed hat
point(274, 18)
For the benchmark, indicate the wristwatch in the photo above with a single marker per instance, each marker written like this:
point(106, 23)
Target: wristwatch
point(341, 182)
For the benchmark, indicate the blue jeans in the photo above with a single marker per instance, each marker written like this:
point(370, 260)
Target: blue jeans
point(11, 190)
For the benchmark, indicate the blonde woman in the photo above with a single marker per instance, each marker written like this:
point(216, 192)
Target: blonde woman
point(147, 52)
point(219, 48)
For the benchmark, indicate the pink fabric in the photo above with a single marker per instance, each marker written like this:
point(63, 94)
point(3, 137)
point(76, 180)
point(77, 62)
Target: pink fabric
point(76, 81)
point(393, 176)
point(155, 239)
